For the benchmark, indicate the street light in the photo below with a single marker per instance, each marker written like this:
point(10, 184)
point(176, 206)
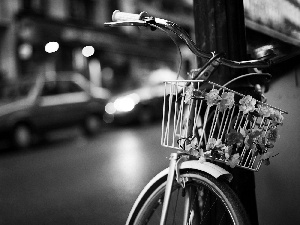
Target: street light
point(25, 51)
point(88, 51)
point(51, 47)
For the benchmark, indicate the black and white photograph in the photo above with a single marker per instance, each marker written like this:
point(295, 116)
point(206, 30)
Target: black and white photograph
point(147, 112)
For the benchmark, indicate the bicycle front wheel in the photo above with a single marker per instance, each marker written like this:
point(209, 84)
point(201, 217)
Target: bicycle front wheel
point(210, 201)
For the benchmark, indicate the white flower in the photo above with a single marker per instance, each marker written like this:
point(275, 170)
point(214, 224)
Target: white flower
point(235, 159)
point(264, 110)
point(202, 159)
point(213, 143)
point(227, 152)
point(227, 100)
point(188, 94)
point(247, 104)
point(276, 116)
point(212, 97)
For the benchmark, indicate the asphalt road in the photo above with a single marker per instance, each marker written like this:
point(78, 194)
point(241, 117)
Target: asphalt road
point(74, 180)
point(70, 179)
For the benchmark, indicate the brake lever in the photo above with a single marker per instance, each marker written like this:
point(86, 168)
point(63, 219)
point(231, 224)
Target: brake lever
point(126, 23)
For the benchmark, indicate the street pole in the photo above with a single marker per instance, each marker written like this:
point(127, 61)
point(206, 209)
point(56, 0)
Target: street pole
point(220, 27)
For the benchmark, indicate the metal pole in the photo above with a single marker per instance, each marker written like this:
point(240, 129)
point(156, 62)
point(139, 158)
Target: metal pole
point(220, 27)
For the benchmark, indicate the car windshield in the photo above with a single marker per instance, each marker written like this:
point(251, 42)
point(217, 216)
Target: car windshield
point(15, 91)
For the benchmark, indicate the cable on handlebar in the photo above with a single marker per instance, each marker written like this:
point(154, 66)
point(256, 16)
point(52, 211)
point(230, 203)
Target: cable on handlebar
point(183, 35)
point(153, 26)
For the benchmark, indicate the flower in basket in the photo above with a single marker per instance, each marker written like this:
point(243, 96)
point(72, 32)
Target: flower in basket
point(234, 137)
point(276, 117)
point(227, 101)
point(215, 148)
point(272, 135)
point(264, 110)
point(188, 94)
point(213, 143)
point(212, 97)
point(228, 151)
point(194, 152)
point(202, 159)
point(234, 160)
point(251, 137)
point(247, 104)
point(193, 93)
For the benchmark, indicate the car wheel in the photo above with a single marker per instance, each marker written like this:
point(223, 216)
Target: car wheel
point(22, 136)
point(92, 124)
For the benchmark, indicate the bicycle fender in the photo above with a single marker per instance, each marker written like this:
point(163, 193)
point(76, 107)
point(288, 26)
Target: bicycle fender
point(207, 167)
point(145, 190)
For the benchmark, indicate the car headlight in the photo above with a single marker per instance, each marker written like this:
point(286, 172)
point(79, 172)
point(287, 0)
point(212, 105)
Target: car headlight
point(122, 104)
point(109, 108)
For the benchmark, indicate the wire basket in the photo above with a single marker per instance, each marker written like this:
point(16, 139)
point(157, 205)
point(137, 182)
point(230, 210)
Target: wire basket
point(214, 123)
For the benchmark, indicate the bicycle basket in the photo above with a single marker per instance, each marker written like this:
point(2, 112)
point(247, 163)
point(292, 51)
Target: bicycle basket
point(215, 123)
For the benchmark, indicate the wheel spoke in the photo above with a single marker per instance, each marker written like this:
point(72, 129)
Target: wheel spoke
point(175, 207)
point(209, 202)
point(222, 218)
point(211, 206)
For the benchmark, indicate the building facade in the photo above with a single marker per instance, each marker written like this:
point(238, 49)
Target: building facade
point(122, 56)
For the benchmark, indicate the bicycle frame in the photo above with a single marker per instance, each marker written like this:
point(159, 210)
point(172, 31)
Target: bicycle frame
point(174, 165)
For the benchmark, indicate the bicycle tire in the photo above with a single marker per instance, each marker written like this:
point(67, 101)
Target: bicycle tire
point(216, 195)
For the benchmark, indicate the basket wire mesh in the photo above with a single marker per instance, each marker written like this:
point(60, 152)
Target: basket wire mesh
point(207, 120)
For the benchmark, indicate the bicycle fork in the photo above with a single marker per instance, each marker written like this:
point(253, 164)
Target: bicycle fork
point(171, 175)
point(190, 193)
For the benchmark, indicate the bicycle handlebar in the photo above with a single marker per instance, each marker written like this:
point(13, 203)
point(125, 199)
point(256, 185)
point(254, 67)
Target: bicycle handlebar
point(143, 19)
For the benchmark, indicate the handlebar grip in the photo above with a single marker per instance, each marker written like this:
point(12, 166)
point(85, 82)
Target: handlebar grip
point(118, 16)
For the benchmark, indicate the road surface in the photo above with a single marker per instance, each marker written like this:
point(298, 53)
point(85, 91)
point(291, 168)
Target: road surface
point(74, 180)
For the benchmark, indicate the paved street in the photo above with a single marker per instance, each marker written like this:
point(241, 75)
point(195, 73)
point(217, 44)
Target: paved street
point(74, 180)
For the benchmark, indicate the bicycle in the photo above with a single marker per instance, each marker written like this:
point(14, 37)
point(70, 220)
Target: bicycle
point(207, 124)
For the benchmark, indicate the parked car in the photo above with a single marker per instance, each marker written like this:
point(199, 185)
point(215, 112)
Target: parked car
point(141, 105)
point(36, 106)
